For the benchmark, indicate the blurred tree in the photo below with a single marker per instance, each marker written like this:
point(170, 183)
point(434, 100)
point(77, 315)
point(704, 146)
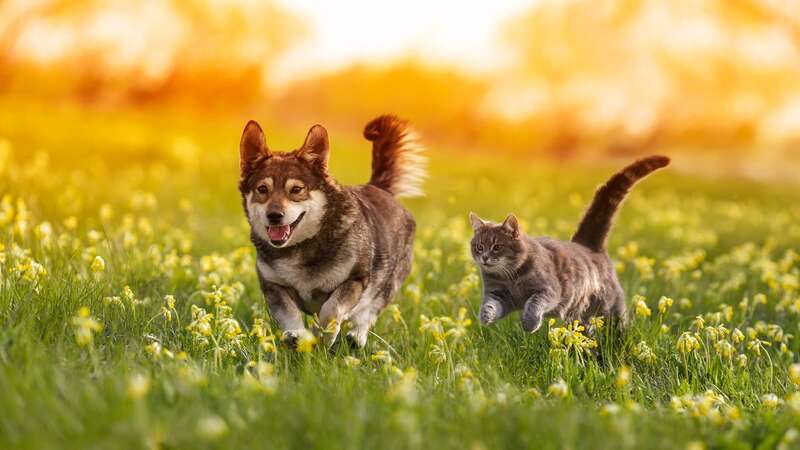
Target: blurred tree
point(207, 52)
point(630, 74)
point(441, 100)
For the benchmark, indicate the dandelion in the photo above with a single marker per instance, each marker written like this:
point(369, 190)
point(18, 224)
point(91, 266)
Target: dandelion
point(558, 389)
point(138, 386)
point(85, 326)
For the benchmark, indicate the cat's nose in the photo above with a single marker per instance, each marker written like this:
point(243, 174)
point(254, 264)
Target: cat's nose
point(485, 259)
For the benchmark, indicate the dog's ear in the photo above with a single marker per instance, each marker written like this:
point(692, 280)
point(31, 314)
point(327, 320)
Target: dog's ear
point(512, 225)
point(251, 147)
point(315, 149)
point(476, 221)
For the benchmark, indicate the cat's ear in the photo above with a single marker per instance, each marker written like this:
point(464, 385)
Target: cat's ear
point(511, 224)
point(252, 147)
point(315, 149)
point(476, 221)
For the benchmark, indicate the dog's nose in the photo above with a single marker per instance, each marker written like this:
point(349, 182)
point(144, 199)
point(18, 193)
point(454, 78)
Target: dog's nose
point(275, 217)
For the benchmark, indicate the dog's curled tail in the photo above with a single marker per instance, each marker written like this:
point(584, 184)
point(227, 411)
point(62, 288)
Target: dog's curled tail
point(596, 223)
point(398, 165)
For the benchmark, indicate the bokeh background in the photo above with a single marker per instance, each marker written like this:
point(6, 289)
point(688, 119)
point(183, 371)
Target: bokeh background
point(714, 83)
point(130, 313)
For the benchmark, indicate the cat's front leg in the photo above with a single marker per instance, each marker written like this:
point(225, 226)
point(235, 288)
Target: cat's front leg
point(492, 310)
point(534, 310)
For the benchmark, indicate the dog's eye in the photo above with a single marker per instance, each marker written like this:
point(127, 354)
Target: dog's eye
point(296, 190)
point(263, 189)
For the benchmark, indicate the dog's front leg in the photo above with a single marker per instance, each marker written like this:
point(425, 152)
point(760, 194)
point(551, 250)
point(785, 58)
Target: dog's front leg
point(284, 310)
point(333, 311)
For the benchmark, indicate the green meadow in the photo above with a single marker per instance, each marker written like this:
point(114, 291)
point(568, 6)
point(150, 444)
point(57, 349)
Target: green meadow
point(130, 313)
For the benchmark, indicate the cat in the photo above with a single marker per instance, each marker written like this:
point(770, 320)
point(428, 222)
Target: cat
point(544, 277)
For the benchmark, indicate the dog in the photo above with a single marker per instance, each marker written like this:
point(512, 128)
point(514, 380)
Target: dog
point(339, 252)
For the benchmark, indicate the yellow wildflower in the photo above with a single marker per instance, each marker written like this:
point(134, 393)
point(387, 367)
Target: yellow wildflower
point(641, 307)
point(137, 386)
point(664, 303)
point(85, 326)
point(98, 265)
point(558, 389)
point(623, 377)
point(687, 343)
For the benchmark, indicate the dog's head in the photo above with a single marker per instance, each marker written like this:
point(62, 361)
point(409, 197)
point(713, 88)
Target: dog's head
point(284, 194)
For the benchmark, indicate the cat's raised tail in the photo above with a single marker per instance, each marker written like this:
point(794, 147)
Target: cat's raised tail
point(596, 223)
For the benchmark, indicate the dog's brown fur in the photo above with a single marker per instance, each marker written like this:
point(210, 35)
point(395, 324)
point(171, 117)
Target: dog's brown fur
point(349, 248)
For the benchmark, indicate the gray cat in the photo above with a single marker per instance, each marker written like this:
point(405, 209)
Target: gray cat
point(572, 280)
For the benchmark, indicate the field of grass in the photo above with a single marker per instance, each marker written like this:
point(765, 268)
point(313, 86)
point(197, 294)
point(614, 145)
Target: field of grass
point(130, 314)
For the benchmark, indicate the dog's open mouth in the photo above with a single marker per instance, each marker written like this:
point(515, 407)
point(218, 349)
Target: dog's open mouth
point(279, 234)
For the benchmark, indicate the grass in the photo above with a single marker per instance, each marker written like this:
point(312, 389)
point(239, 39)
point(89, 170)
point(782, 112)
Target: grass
point(154, 197)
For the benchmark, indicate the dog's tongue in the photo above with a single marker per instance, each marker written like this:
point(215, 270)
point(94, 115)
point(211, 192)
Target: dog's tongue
point(280, 233)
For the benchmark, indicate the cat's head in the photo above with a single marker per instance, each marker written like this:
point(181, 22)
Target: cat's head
point(497, 247)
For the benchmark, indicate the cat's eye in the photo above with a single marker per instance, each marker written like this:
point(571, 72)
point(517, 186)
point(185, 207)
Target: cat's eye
point(496, 248)
point(296, 190)
point(479, 247)
point(262, 189)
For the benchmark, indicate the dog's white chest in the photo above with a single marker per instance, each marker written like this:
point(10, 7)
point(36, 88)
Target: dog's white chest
point(289, 272)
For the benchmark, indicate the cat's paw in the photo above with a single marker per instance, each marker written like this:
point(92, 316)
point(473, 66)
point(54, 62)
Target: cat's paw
point(531, 320)
point(489, 313)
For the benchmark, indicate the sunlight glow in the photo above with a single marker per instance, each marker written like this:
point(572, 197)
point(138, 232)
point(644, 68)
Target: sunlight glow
point(459, 33)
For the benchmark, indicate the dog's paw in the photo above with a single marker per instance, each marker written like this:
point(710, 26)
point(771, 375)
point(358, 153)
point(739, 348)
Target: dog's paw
point(489, 313)
point(356, 340)
point(290, 338)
